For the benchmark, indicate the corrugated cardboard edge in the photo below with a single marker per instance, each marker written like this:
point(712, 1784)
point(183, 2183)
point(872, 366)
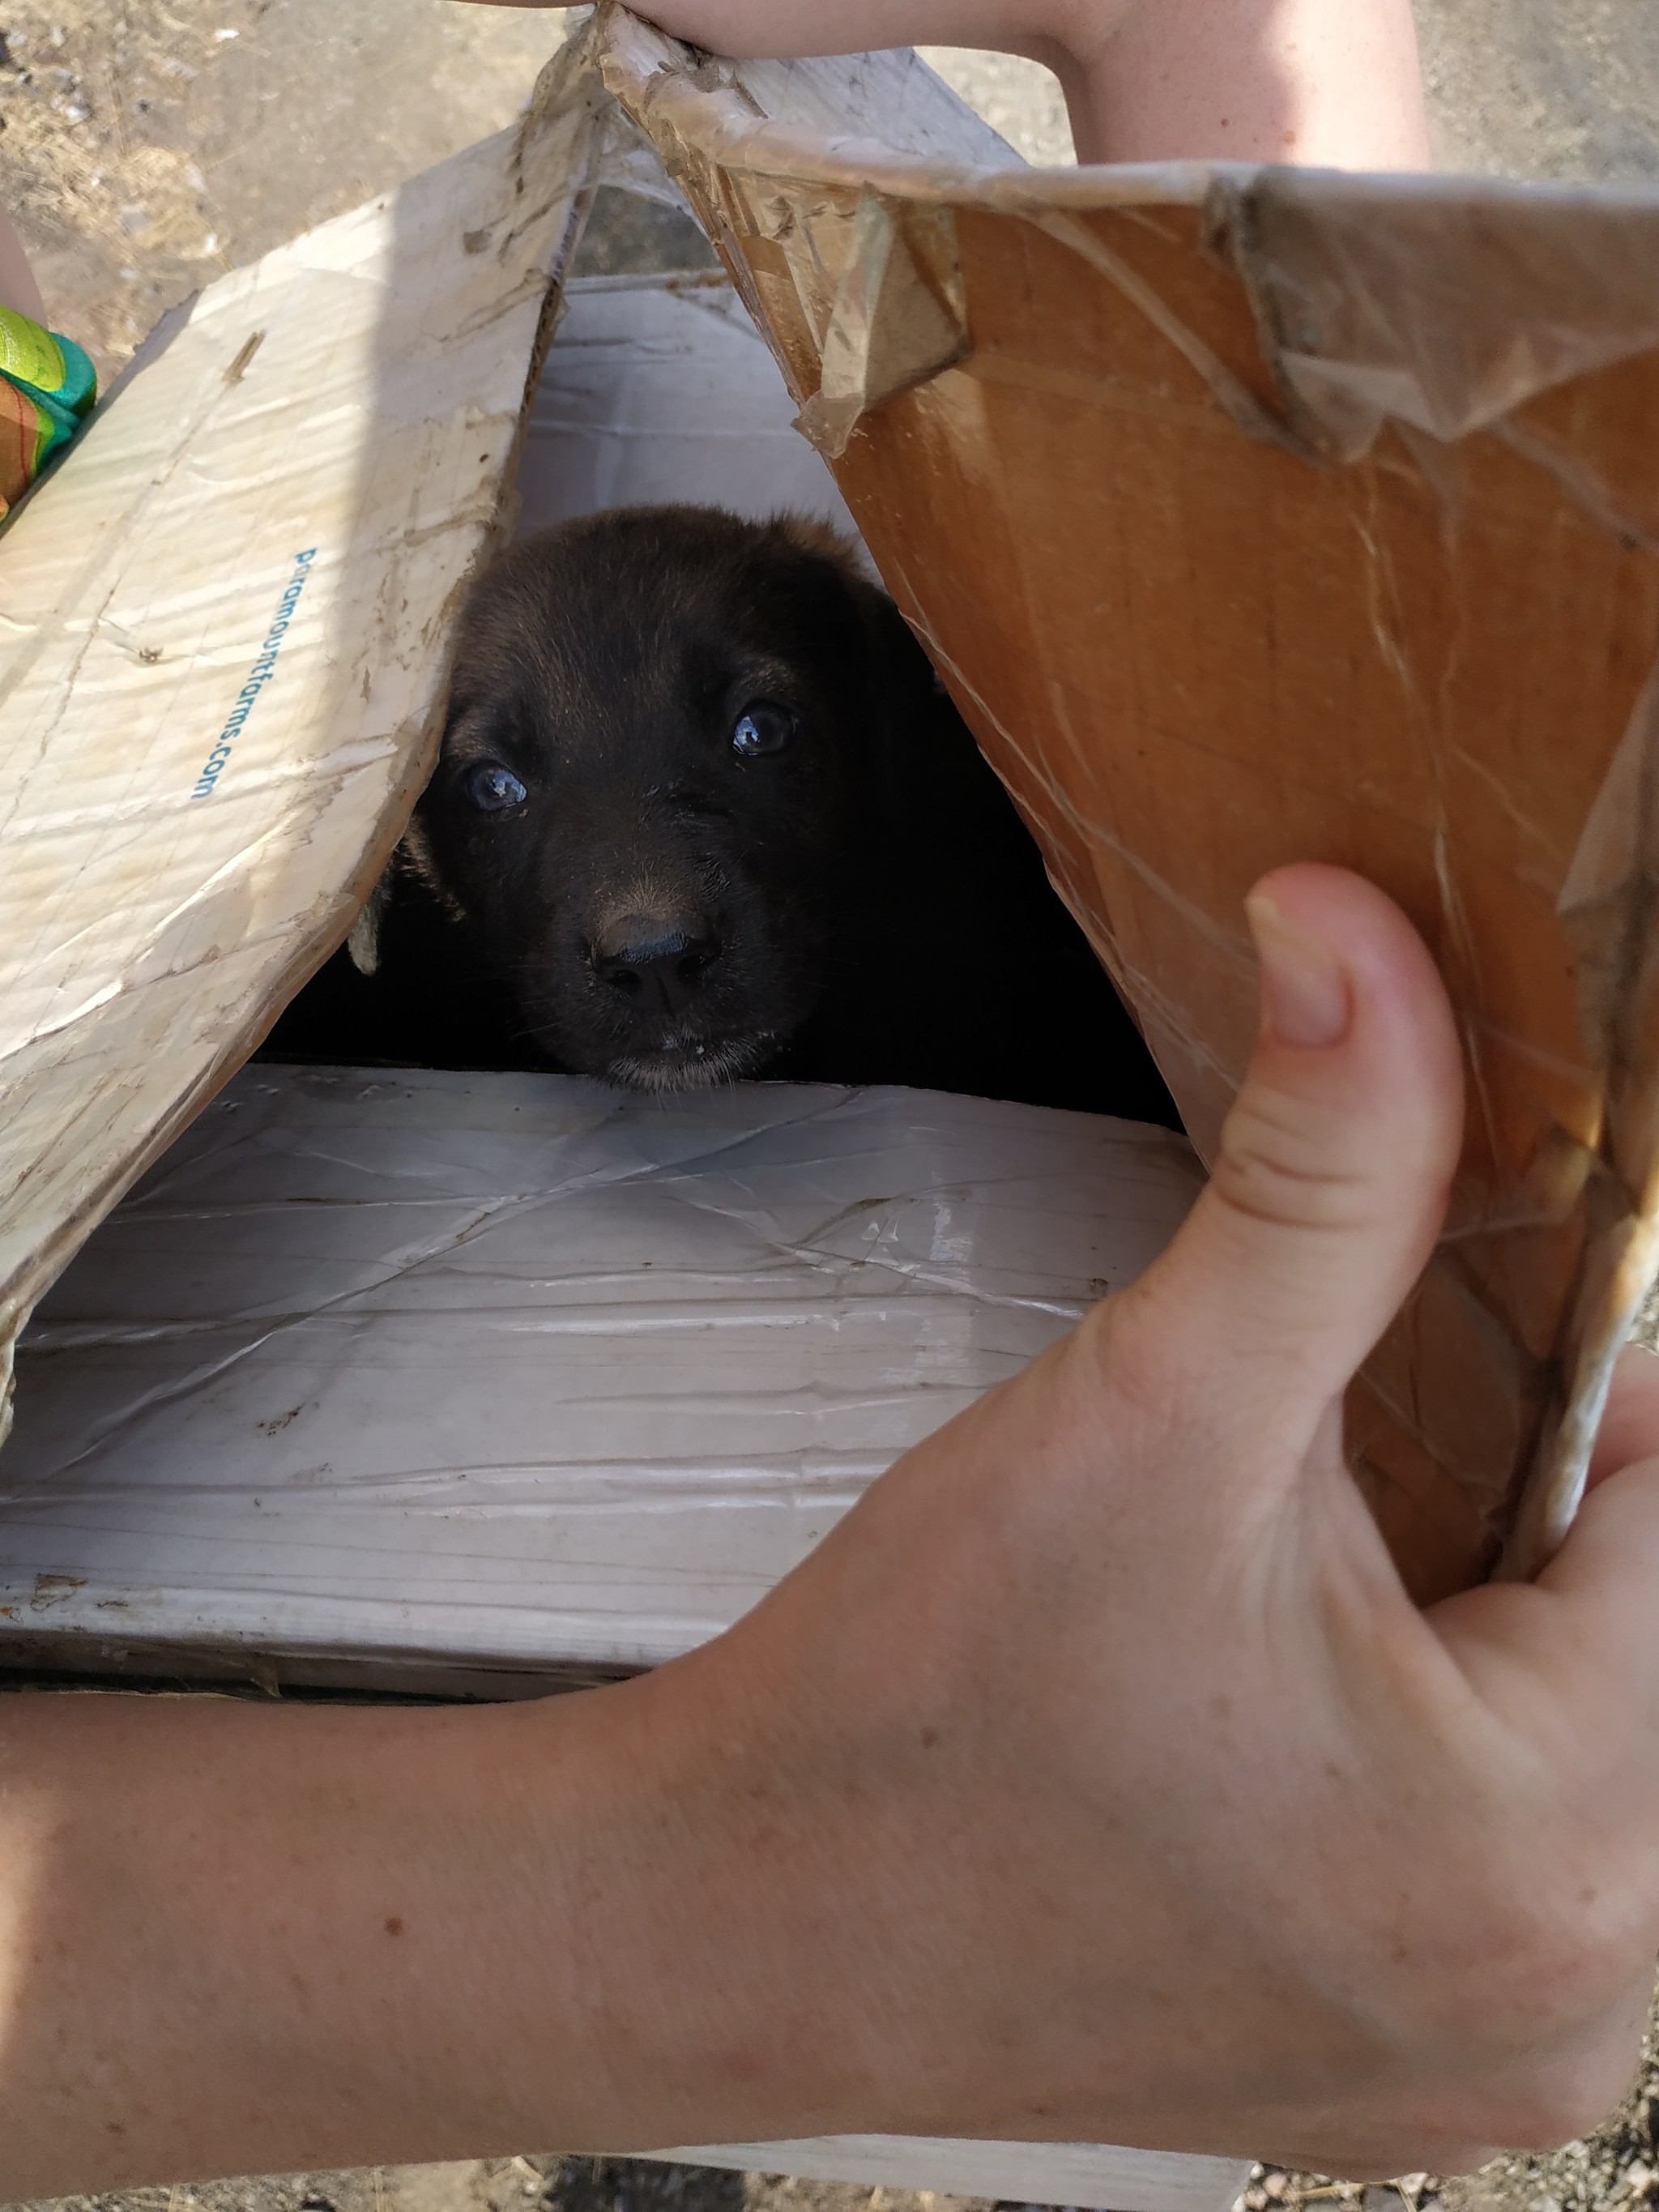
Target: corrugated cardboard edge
point(1356, 330)
point(546, 162)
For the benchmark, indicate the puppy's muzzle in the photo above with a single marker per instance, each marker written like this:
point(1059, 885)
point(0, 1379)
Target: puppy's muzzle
point(657, 965)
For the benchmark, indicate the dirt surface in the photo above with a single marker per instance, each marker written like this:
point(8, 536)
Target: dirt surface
point(148, 145)
point(1561, 88)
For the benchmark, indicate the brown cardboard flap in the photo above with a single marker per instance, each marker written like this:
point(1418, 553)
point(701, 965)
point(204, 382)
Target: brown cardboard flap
point(1254, 516)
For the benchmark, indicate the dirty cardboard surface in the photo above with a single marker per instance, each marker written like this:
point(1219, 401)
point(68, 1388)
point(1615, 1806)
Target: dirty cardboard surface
point(222, 644)
point(1255, 516)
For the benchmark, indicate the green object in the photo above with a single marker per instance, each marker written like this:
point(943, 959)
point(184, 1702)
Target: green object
point(52, 371)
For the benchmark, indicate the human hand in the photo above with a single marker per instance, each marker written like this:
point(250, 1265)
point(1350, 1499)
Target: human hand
point(1097, 1779)
point(1094, 1779)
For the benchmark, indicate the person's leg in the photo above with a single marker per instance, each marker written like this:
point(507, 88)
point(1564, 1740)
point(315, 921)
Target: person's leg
point(1326, 82)
point(18, 289)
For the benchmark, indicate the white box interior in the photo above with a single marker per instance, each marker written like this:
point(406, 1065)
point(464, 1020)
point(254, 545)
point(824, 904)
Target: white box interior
point(461, 1383)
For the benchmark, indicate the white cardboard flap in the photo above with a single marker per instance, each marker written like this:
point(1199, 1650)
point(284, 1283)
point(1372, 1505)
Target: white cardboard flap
point(222, 647)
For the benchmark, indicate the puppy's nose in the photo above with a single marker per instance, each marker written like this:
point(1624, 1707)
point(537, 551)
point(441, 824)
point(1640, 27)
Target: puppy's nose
point(658, 961)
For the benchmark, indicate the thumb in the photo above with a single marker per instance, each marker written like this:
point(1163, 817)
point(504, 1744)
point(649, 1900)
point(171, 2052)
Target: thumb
point(1630, 1426)
point(1334, 1163)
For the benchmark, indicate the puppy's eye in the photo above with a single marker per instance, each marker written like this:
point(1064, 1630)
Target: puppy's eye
point(761, 728)
point(492, 789)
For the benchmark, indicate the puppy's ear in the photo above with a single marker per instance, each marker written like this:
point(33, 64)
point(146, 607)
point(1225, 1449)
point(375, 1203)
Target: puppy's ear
point(891, 639)
point(415, 857)
point(905, 697)
point(824, 542)
point(364, 942)
point(903, 691)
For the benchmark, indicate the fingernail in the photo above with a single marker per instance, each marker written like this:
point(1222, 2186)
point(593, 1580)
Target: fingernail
point(1305, 998)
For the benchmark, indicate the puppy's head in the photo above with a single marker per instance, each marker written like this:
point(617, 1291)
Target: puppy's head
point(658, 762)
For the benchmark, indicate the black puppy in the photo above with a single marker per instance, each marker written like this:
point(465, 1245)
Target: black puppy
point(702, 812)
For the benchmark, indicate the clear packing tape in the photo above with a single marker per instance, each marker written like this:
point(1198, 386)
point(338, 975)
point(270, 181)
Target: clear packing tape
point(1261, 515)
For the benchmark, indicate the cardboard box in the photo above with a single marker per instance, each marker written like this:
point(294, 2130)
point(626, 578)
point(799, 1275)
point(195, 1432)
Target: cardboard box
point(1261, 515)
point(472, 1384)
point(403, 1381)
point(1249, 518)
point(223, 626)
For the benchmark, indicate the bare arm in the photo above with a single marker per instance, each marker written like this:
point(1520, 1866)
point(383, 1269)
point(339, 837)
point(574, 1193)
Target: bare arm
point(1103, 1718)
point(1322, 83)
point(1318, 82)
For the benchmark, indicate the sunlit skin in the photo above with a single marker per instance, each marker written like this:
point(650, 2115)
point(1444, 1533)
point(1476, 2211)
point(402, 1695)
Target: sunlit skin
point(1095, 1779)
point(1330, 84)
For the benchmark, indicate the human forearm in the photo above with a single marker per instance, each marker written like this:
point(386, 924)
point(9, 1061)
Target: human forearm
point(1311, 82)
point(1320, 83)
point(236, 1938)
point(977, 1823)
point(245, 1939)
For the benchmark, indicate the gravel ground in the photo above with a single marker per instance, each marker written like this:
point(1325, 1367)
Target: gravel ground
point(521, 2184)
point(148, 147)
point(143, 150)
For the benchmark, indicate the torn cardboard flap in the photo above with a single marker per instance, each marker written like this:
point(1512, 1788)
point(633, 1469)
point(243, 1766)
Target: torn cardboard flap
point(896, 318)
point(1408, 300)
point(224, 634)
point(1268, 515)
